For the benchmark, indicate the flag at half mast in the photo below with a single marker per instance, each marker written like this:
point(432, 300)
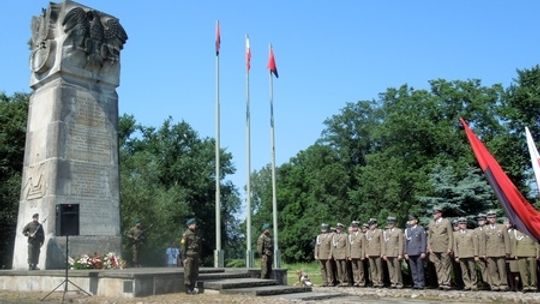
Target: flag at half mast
point(218, 38)
point(272, 63)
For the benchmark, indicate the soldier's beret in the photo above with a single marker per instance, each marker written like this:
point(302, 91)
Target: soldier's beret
point(412, 217)
point(372, 221)
point(354, 224)
point(324, 226)
point(462, 220)
point(35, 215)
point(190, 221)
point(481, 216)
point(491, 213)
point(265, 226)
point(391, 219)
point(340, 225)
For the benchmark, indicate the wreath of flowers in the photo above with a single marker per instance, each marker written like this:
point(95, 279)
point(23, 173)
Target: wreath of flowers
point(107, 261)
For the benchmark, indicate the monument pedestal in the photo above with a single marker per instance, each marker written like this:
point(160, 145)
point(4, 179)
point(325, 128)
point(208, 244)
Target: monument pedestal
point(71, 154)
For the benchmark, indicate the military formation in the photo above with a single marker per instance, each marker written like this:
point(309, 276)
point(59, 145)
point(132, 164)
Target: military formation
point(447, 254)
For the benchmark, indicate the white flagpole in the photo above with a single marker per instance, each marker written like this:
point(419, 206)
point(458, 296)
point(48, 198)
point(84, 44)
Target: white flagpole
point(277, 262)
point(249, 253)
point(218, 254)
point(535, 157)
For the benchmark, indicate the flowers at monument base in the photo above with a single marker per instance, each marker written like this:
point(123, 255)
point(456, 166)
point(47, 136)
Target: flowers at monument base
point(107, 261)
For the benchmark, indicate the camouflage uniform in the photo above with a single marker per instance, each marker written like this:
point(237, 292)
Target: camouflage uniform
point(34, 232)
point(265, 248)
point(191, 251)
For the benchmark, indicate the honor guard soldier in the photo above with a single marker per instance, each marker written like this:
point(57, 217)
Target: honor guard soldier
point(374, 251)
point(36, 236)
point(136, 236)
point(527, 251)
point(440, 243)
point(415, 251)
point(340, 250)
point(497, 249)
point(466, 253)
point(191, 251)
point(481, 262)
point(393, 252)
point(323, 254)
point(357, 254)
point(265, 247)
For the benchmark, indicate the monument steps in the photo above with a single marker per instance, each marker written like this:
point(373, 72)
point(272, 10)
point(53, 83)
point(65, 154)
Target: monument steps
point(252, 286)
point(270, 290)
point(311, 296)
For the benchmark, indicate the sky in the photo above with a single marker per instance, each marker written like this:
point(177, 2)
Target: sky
point(328, 53)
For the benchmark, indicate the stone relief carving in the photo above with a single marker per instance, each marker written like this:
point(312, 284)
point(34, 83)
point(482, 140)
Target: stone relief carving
point(35, 183)
point(99, 36)
point(42, 47)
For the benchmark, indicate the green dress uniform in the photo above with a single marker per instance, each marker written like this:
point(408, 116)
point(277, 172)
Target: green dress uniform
point(497, 245)
point(265, 248)
point(191, 251)
point(374, 251)
point(36, 236)
point(393, 253)
point(465, 251)
point(481, 262)
point(440, 243)
point(527, 251)
point(356, 255)
point(340, 250)
point(512, 268)
point(323, 254)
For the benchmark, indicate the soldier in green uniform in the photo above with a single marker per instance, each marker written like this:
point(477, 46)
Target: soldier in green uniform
point(481, 262)
point(465, 253)
point(512, 270)
point(374, 252)
point(323, 254)
point(356, 255)
point(136, 236)
point(340, 250)
point(265, 248)
point(527, 251)
point(497, 249)
point(393, 252)
point(440, 243)
point(191, 252)
point(36, 236)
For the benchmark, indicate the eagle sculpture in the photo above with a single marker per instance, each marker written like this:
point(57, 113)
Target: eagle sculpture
point(101, 37)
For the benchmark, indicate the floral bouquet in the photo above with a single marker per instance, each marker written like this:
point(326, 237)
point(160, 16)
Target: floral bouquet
point(108, 261)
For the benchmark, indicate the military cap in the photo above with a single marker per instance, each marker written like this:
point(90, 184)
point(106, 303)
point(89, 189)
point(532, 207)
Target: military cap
point(191, 221)
point(372, 221)
point(437, 209)
point(491, 213)
point(391, 219)
point(412, 217)
point(365, 225)
point(35, 215)
point(324, 226)
point(505, 220)
point(462, 220)
point(265, 226)
point(354, 224)
point(340, 225)
point(481, 216)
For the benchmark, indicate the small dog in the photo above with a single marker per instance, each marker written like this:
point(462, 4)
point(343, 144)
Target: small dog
point(303, 279)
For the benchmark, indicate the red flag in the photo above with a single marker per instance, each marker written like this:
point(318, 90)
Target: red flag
point(218, 38)
point(272, 63)
point(517, 208)
point(248, 54)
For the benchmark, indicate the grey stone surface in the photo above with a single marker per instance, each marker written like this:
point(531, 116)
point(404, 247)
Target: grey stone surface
point(267, 290)
point(280, 274)
point(313, 296)
point(238, 283)
point(71, 153)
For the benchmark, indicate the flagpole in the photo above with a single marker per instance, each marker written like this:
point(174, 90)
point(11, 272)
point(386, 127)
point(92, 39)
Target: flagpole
point(249, 252)
point(218, 253)
point(277, 260)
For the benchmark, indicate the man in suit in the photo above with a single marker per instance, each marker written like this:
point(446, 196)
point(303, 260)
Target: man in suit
point(465, 253)
point(323, 254)
point(374, 251)
point(339, 253)
point(440, 243)
point(357, 255)
point(393, 252)
point(415, 251)
point(497, 245)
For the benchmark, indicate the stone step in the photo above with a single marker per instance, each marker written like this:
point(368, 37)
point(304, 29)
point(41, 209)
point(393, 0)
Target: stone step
point(237, 283)
point(222, 276)
point(267, 290)
point(310, 296)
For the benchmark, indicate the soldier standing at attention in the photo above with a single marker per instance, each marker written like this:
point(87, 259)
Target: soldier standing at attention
point(440, 243)
point(356, 255)
point(339, 253)
point(393, 252)
point(36, 236)
point(323, 251)
point(465, 253)
point(374, 251)
point(191, 251)
point(527, 251)
point(265, 247)
point(415, 251)
point(136, 236)
point(481, 262)
point(512, 272)
point(497, 249)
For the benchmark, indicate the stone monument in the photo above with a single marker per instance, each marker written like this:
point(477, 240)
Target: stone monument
point(71, 154)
